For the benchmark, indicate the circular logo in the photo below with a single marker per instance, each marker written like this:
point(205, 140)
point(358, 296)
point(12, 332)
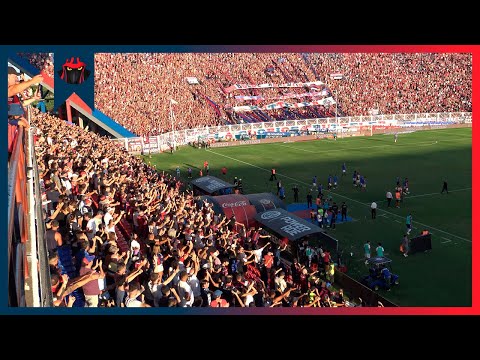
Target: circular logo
point(270, 215)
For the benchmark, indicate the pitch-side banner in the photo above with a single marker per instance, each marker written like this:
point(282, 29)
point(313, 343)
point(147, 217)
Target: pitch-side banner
point(269, 85)
point(282, 104)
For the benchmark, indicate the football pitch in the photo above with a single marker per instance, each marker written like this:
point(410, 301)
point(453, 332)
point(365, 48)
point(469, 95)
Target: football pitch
point(441, 277)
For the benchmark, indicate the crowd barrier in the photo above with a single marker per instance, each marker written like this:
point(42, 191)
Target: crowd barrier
point(343, 126)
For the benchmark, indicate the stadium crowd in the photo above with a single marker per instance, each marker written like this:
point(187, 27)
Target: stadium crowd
point(122, 234)
point(386, 82)
point(42, 61)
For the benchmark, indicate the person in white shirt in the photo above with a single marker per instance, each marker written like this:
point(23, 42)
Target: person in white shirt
point(193, 280)
point(185, 291)
point(374, 209)
point(155, 285)
point(280, 283)
point(258, 253)
point(91, 228)
point(389, 198)
point(108, 215)
point(110, 227)
point(66, 184)
point(134, 291)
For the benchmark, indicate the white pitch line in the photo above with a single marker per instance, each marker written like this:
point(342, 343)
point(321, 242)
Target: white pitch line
point(437, 193)
point(340, 195)
point(456, 135)
point(398, 221)
point(421, 195)
point(444, 242)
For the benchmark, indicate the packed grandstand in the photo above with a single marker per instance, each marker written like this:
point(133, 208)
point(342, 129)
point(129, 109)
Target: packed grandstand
point(388, 83)
point(119, 233)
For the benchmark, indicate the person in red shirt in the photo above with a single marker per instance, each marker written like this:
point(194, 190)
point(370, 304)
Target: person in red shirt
point(218, 301)
point(268, 260)
point(273, 175)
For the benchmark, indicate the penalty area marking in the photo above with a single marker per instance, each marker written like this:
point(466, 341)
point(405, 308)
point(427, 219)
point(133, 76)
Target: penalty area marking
point(340, 195)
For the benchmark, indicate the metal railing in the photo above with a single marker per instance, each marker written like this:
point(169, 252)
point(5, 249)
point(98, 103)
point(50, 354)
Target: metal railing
point(28, 270)
point(38, 252)
point(16, 221)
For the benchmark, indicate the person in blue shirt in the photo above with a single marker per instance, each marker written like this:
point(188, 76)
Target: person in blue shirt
point(314, 180)
point(405, 187)
point(320, 190)
point(344, 169)
point(281, 193)
point(329, 181)
point(387, 276)
point(335, 181)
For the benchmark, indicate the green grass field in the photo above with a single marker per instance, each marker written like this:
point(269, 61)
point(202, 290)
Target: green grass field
point(441, 277)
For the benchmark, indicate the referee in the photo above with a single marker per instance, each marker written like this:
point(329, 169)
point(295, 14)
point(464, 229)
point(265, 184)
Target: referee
point(445, 186)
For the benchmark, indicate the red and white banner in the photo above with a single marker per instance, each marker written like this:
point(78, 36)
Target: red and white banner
point(192, 80)
point(282, 104)
point(268, 85)
point(336, 76)
point(282, 97)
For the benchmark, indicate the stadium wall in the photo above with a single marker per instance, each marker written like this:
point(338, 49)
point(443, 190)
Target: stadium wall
point(323, 127)
point(357, 290)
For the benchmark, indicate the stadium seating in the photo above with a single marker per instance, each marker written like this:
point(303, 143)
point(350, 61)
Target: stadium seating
point(391, 83)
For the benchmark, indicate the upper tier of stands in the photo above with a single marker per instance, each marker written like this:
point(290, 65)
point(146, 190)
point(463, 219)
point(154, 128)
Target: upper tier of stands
point(135, 89)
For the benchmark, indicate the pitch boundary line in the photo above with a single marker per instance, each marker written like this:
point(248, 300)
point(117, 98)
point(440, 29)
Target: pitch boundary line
point(421, 195)
point(342, 196)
